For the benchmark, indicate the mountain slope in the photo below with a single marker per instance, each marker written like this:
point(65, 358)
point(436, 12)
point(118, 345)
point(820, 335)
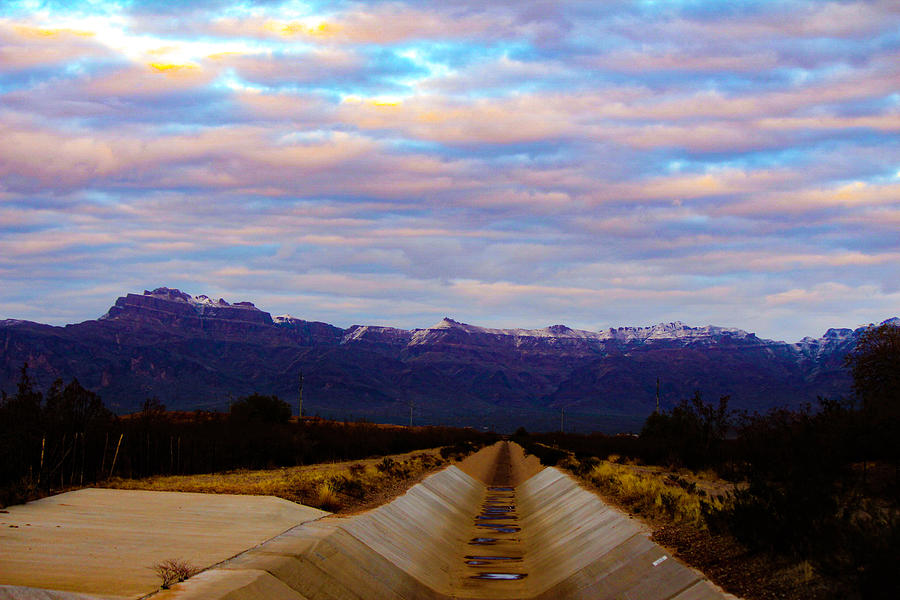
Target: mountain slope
point(196, 352)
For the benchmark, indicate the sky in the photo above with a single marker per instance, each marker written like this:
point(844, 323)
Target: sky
point(505, 163)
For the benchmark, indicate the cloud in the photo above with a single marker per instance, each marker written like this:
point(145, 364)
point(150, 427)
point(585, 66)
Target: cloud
point(394, 22)
point(510, 164)
point(826, 293)
point(809, 200)
point(24, 46)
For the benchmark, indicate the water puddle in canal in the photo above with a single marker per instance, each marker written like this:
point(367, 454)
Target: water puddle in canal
point(497, 518)
point(500, 576)
point(483, 541)
point(485, 559)
point(499, 528)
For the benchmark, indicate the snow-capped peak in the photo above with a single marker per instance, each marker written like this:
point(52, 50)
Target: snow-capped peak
point(375, 333)
point(546, 332)
point(202, 300)
point(663, 331)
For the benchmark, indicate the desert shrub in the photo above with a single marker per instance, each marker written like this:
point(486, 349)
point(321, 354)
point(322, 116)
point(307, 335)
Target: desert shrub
point(352, 486)
point(587, 465)
point(327, 497)
point(569, 463)
point(688, 486)
point(794, 469)
point(460, 450)
point(259, 408)
point(18, 492)
point(174, 570)
point(805, 500)
point(865, 548)
point(691, 434)
point(428, 461)
point(548, 455)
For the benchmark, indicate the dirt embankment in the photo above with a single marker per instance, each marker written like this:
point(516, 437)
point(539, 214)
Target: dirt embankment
point(340, 487)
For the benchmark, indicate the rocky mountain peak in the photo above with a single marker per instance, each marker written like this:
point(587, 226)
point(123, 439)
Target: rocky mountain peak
point(447, 323)
point(172, 306)
point(173, 294)
point(559, 330)
point(176, 295)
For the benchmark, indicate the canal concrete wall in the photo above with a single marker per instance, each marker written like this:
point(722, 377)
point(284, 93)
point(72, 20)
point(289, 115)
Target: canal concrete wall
point(571, 545)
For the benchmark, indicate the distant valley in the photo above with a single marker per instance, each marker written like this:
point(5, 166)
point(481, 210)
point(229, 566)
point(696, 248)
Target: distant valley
point(200, 353)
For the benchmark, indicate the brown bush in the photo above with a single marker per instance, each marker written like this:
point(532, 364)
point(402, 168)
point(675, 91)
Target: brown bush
point(174, 570)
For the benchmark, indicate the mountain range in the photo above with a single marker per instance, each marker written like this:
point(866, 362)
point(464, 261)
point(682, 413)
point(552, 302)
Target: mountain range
point(201, 353)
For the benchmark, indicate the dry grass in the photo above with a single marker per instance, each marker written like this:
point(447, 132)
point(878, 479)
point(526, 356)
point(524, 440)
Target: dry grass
point(327, 497)
point(654, 494)
point(681, 508)
point(336, 487)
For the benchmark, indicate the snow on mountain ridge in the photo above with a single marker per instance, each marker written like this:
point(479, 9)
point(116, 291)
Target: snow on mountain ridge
point(279, 319)
point(202, 300)
point(545, 332)
point(660, 332)
point(835, 338)
point(672, 331)
point(357, 333)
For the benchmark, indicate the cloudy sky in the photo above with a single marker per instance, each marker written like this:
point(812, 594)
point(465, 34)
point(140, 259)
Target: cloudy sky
point(506, 163)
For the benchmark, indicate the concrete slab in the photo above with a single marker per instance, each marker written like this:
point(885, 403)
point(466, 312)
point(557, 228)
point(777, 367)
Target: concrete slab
point(14, 592)
point(105, 542)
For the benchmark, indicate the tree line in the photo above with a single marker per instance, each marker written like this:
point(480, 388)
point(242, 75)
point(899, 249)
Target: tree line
point(66, 437)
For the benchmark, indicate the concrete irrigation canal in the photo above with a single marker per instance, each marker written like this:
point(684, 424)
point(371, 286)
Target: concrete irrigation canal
point(497, 525)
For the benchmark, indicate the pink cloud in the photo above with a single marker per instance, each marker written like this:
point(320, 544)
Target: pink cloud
point(296, 67)
point(151, 79)
point(25, 46)
point(805, 200)
point(683, 60)
point(782, 260)
point(805, 20)
point(389, 23)
point(828, 293)
point(51, 242)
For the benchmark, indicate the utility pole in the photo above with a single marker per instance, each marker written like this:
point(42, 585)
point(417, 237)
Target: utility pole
point(300, 400)
point(411, 404)
point(562, 420)
point(657, 394)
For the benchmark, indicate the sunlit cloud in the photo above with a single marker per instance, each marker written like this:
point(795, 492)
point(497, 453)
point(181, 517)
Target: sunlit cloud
point(509, 164)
